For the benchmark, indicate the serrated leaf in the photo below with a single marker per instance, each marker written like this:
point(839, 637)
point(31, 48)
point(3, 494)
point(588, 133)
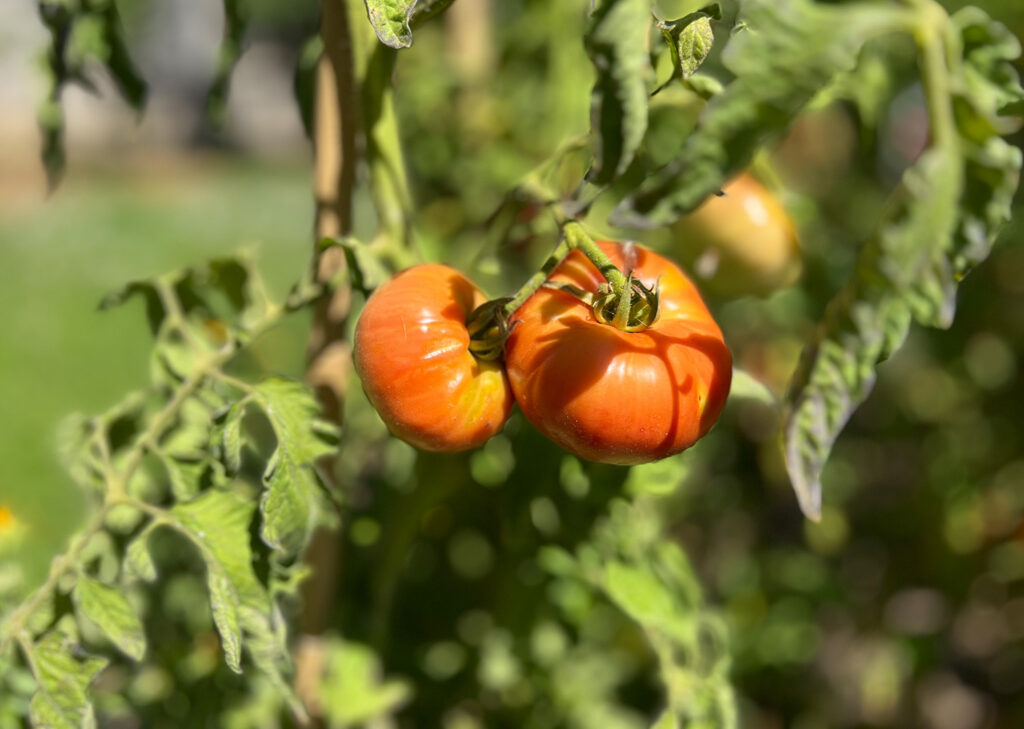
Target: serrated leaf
point(690, 39)
point(789, 51)
point(108, 608)
point(217, 522)
point(61, 700)
point(185, 475)
point(76, 448)
point(694, 44)
point(989, 48)
point(138, 561)
point(293, 505)
point(227, 436)
point(390, 21)
point(904, 273)
point(618, 43)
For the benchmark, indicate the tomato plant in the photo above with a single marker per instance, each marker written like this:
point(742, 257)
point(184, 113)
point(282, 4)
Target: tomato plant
point(611, 395)
point(740, 242)
point(412, 353)
point(518, 584)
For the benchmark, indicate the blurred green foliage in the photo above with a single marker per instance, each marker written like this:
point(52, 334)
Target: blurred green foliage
point(472, 578)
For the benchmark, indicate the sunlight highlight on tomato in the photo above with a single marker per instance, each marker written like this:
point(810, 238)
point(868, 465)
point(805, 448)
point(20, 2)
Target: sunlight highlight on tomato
point(614, 396)
point(412, 353)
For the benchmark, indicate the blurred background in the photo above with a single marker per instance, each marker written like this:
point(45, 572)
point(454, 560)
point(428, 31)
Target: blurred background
point(903, 607)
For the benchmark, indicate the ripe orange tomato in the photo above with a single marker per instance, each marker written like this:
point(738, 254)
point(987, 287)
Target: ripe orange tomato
point(742, 242)
point(411, 351)
point(614, 396)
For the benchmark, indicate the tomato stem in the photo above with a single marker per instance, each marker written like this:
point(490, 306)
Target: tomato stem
point(537, 280)
point(580, 241)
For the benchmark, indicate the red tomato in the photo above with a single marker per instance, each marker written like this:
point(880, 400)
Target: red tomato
point(742, 242)
point(614, 396)
point(412, 353)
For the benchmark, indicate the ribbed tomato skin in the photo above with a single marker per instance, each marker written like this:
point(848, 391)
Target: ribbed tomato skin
point(411, 351)
point(613, 396)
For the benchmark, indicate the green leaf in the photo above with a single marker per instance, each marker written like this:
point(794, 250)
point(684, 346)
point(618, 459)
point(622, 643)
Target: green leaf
point(226, 436)
point(218, 523)
point(185, 475)
point(390, 21)
point(76, 446)
point(364, 269)
point(618, 43)
point(903, 273)
point(235, 23)
point(690, 39)
point(304, 80)
point(746, 387)
point(694, 44)
point(352, 688)
point(788, 51)
point(138, 562)
point(130, 83)
point(991, 81)
point(110, 610)
point(424, 10)
point(63, 678)
point(294, 504)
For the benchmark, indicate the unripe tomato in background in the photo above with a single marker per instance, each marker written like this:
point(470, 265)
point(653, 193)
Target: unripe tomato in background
point(411, 351)
point(742, 242)
point(614, 396)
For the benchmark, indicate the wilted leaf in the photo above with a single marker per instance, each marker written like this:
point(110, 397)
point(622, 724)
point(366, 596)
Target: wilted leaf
point(903, 273)
point(618, 44)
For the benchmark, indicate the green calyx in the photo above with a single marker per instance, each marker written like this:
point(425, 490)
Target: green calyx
point(632, 309)
point(488, 327)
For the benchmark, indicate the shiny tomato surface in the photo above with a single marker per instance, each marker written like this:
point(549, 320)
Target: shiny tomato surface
point(412, 353)
point(614, 396)
point(742, 242)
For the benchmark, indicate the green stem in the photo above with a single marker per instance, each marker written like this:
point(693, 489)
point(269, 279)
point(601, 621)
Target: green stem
point(575, 239)
point(930, 35)
point(580, 241)
point(537, 280)
point(389, 185)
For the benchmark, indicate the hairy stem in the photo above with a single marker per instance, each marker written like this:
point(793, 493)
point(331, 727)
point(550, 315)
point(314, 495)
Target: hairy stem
point(579, 240)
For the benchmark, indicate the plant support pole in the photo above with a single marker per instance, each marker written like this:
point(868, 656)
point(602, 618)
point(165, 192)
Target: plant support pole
point(335, 124)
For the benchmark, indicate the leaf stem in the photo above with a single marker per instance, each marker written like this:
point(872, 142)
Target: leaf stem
point(931, 38)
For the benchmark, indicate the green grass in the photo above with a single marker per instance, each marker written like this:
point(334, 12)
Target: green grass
point(59, 354)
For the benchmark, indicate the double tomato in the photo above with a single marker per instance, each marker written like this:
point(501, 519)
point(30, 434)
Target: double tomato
point(599, 392)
